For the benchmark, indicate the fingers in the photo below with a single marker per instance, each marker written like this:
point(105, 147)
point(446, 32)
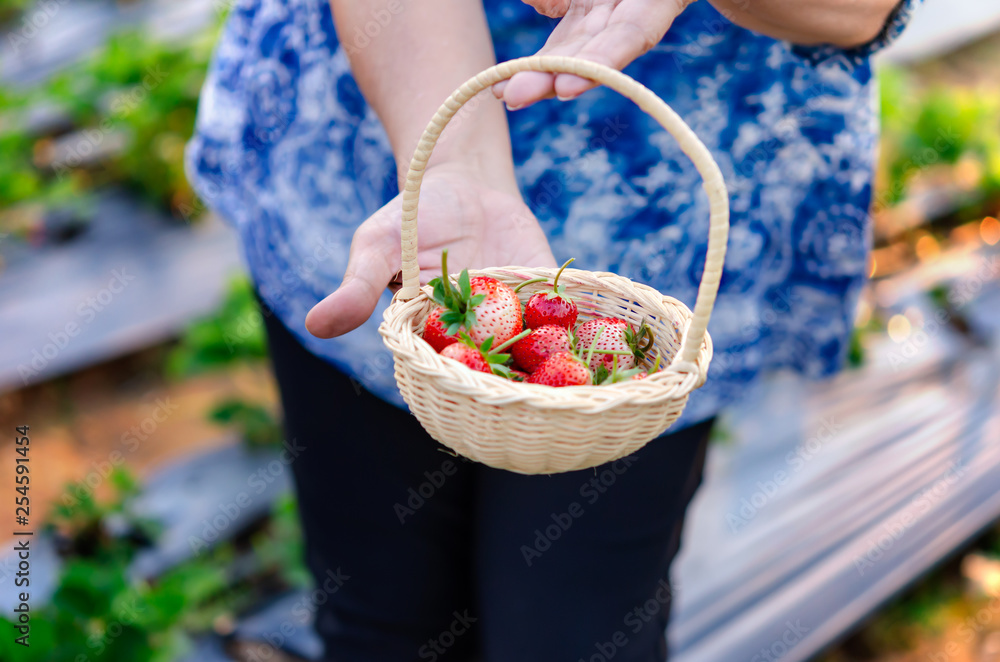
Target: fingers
point(570, 35)
point(609, 33)
point(635, 27)
point(373, 263)
point(550, 8)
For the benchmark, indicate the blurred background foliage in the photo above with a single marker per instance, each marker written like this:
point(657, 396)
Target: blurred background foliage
point(100, 610)
point(120, 118)
point(938, 126)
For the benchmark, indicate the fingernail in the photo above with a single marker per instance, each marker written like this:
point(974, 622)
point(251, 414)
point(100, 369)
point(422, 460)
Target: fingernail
point(564, 98)
point(510, 107)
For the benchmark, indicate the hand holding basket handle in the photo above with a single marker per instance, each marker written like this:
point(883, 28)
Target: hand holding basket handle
point(530, 428)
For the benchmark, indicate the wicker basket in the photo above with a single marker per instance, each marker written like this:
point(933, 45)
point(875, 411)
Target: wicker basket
point(529, 428)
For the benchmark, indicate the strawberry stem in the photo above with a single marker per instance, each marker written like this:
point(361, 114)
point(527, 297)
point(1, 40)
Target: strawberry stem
point(593, 344)
point(555, 281)
point(529, 282)
point(645, 330)
point(504, 345)
point(445, 278)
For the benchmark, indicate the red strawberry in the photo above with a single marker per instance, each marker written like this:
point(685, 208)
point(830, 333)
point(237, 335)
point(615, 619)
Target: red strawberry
point(554, 307)
point(544, 309)
point(499, 312)
point(561, 369)
point(617, 337)
point(529, 352)
point(435, 333)
point(470, 356)
point(640, 375)
point(481, 306)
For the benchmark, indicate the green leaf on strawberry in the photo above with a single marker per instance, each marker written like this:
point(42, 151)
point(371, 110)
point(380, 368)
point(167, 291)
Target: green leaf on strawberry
point(459, 304)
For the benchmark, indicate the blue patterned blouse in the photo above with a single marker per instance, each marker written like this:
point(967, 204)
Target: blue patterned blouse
point(288, 151)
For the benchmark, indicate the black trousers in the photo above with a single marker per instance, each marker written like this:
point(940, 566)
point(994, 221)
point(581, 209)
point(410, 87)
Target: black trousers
point(439, 558)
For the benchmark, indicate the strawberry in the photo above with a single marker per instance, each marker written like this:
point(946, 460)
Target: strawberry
point(470, 356)
point(530, 351)
point(485, 357)
point(614, 337)
point(481, 306)
point(561, 369)
point(499, 312)
point(554, 307)
point(435, 333)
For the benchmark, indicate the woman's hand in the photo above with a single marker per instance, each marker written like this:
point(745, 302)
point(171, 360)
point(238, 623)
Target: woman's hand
point(482, 223)
point(609, 32)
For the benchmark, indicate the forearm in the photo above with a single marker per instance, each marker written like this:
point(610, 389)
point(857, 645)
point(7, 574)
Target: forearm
point(844, 23)
point(426, 50)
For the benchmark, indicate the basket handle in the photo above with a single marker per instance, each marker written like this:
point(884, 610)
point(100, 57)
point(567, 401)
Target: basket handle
point(657, 108)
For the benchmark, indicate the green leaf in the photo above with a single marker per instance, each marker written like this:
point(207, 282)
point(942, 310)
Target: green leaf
point(438, 293)
point(465, 284)
point(502, 371)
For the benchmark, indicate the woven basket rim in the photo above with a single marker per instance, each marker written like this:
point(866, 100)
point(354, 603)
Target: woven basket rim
point(402, 317)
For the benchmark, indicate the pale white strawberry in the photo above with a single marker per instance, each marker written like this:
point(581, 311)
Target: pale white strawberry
point(498, 314)
point(616, 335)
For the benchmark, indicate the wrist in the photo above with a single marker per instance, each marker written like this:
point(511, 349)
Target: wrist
point(476, 142)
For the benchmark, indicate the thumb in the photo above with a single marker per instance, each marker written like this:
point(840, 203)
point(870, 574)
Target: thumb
point(550, 8)
point(373, 262)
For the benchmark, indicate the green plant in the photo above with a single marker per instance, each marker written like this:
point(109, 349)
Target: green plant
point(856, 349)
point(135, 87)
point(280, 545)
point(935, 125)
point(255, 424)
point(10, 9)
point(235, 332)
point(99, 611)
